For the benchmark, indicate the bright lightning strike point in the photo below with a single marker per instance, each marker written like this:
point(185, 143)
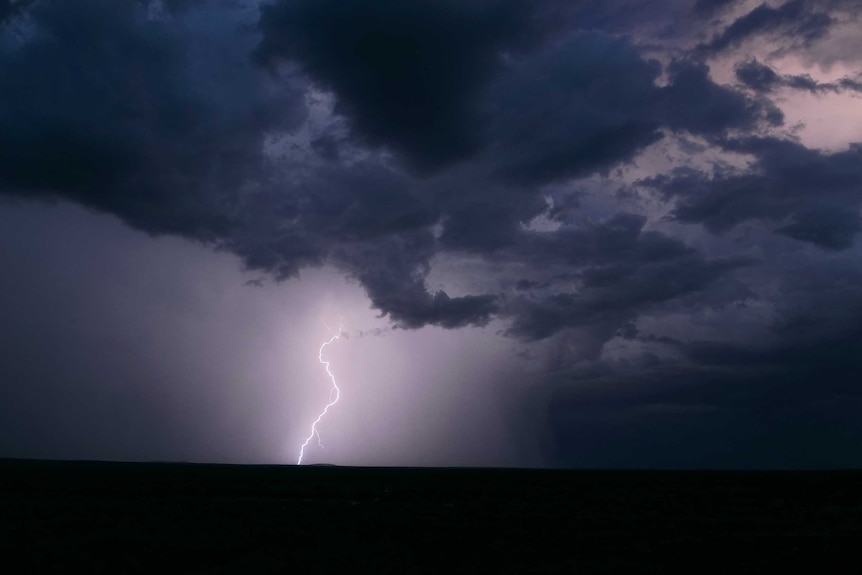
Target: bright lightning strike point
point(333, 391)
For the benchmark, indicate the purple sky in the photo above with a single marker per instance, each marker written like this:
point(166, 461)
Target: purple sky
point(577, 234)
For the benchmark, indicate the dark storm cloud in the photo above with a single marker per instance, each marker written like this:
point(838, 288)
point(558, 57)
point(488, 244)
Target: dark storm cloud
point(784, 398)
point(162, 122)
point(176, 6)
point(289, 225)
point(361, 202)
point(796, 20)
point(762, 78)
point(694, 103)
point(619, 239)
point(832, 227)
point(456, 78)
point(643, 20)
point(154, 120)
point(393, 272)
point(370, 221)
point(474, 225)
point(528, 111)
point(407, 75)
point(726, 407)
point(599, 105)
point(579, 106)
point(819, 192)
point(758, 76)
point(619, 271)
point(327, 147)
point(11, 8)
point(708, 8)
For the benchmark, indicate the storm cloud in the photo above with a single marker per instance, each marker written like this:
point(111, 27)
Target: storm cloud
point(156, 122)
point(804, 22)
point(818, 192)
point(611, 189)
point(424, 63)
point(762, 78)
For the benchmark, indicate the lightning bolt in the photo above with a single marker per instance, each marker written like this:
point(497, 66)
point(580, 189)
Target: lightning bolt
point(334, 394)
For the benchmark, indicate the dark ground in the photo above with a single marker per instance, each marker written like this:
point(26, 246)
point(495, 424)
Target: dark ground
point(134, 517)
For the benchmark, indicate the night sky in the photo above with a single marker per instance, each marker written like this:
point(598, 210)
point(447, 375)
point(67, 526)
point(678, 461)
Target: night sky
point(557, 233)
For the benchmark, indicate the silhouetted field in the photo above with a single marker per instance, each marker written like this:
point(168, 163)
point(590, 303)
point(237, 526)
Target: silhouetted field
point(135, 517)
